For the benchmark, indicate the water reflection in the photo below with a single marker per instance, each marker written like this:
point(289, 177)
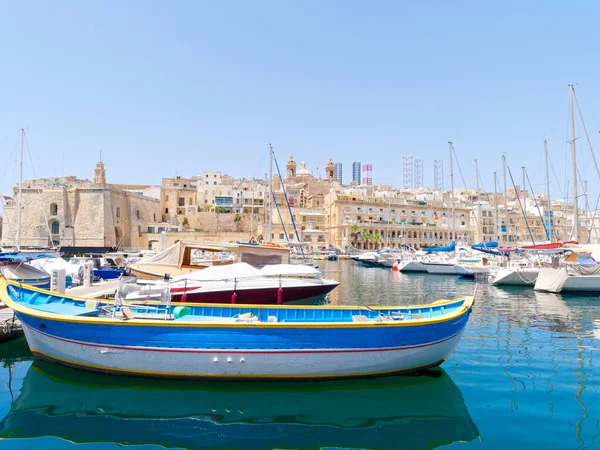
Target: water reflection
point(424, 412)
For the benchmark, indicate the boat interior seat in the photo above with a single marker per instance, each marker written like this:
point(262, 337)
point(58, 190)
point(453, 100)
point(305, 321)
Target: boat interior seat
point(360, 318)
point(67, 309)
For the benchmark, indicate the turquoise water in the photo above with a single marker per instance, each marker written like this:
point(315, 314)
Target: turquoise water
point(526, 374)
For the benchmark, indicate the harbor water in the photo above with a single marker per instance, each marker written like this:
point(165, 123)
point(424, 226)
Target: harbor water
point(526, 374)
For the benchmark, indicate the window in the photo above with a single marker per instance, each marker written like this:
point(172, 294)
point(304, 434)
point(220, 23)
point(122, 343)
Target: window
point(118, 212)
point(153, 217)
point(150, 229)
point(181, 201)
point(166, 210)
point(55, 227)
point(137, 214)
point(53, 209)
point(166, 198)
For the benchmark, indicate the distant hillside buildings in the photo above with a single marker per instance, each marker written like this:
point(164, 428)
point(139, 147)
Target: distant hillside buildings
point(81, 215)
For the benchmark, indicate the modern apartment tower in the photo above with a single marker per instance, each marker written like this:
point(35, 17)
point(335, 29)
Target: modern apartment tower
point(356, 179)
point(338, 172)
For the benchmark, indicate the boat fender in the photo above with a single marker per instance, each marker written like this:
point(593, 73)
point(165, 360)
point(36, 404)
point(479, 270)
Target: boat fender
point(279, 296)
point(180, 311)
point(234, 298)
point(184, 297)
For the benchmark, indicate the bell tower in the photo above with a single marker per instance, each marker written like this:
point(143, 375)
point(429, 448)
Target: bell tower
point(99, 173)
point(291, 167)
point(330, 170)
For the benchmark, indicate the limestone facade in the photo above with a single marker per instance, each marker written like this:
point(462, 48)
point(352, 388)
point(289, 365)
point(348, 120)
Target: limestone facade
point(77, 215)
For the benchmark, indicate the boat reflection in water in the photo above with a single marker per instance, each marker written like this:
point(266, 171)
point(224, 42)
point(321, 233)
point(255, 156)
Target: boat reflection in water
point(421, 412)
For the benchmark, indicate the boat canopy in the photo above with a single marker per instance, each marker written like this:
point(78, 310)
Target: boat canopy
point(485, 245)
point(549, 245)
point(180, 254)
point(448, 248)
point(491, 248)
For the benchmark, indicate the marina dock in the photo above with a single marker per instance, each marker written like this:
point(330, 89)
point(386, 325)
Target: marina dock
point(10, 326)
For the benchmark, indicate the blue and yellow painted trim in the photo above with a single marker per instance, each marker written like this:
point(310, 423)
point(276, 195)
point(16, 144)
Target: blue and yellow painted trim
point(23, 309)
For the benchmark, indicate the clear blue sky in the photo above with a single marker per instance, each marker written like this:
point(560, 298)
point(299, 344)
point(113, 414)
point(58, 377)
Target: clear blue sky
point(180, 87)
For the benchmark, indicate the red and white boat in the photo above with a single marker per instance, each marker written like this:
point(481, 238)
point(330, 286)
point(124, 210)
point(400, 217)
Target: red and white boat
point(236, 283)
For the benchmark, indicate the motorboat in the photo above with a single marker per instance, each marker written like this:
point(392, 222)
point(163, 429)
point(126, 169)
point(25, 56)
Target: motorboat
point(369, 259)
point(239, 283)
point(14, 266)
point(515, 276)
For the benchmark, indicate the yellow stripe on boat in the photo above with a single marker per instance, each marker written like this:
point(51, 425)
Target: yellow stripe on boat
point(5, 297)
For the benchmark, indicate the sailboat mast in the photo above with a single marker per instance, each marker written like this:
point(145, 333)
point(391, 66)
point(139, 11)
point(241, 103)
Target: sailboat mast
point(479, 228)
point(574, 162)
point(496, 204)
point(524, 198)
point(452, 191)
point(549, 204)
point(505, 200)
point(252, 212)
point(20, 203)
point(524, 189)
point(270, 219)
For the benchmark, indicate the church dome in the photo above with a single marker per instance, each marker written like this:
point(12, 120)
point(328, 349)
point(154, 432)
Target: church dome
point(303, 171)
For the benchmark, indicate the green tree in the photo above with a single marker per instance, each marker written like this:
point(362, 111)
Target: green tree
point(355, 232)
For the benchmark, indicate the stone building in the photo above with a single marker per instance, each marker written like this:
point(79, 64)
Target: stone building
point(78, 215)
point(179, 197)
point(360, 219)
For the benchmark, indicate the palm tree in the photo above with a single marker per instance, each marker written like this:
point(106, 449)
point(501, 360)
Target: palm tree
point(377, 239)
point(355, 232)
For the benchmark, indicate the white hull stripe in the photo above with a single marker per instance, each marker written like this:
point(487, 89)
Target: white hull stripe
point(232, 351)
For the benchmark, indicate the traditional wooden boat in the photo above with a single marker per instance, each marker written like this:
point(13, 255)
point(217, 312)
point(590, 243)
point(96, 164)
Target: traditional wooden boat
point(230, 341)
point(427, 411)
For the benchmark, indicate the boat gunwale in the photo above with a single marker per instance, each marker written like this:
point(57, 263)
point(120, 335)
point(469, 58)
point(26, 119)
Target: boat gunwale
point(98, 320)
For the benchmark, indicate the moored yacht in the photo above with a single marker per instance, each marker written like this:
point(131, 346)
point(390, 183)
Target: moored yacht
point(237, 283)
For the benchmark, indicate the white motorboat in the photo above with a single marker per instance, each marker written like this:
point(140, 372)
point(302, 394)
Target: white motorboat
point(515, 276)
point(14, 266)
point(369, 259)
point(412, 265)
